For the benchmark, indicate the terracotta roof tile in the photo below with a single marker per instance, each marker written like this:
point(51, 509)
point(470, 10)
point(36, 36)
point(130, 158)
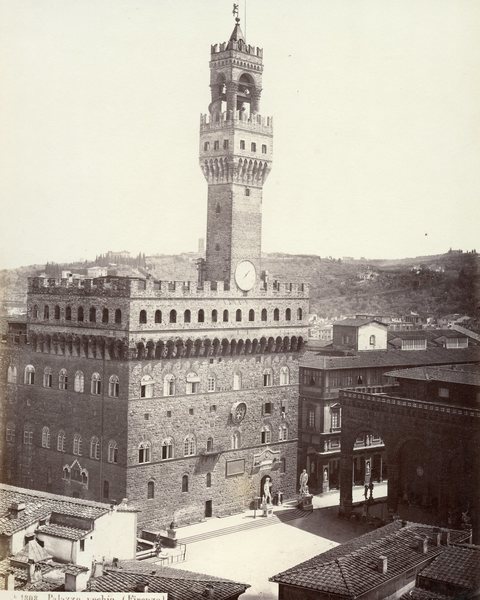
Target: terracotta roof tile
point(446, 373)
point(62, 531)
point(458, 565)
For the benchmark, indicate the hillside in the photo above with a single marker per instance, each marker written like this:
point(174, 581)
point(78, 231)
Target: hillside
point(429, 285)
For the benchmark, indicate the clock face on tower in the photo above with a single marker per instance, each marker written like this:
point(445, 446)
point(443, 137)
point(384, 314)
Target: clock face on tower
point(245, 275)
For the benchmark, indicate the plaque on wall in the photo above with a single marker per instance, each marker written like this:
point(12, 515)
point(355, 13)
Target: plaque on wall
point(235, 467)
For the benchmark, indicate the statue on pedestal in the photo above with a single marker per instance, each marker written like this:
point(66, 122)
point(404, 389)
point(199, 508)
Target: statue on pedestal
point(303, 482)
point(267, 491)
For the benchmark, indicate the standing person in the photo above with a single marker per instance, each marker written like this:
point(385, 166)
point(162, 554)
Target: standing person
point(370, 488)
point(365, 492)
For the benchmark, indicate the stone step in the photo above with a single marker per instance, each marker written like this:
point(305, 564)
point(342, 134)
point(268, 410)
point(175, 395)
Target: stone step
point(278, 517)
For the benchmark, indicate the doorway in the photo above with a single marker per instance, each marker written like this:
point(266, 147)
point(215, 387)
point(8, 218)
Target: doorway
point(208, 508)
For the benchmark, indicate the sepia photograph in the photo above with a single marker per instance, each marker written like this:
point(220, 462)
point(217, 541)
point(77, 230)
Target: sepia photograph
point(239, 299)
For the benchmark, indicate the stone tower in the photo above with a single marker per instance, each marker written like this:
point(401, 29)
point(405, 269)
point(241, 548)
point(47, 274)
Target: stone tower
point(235, 157)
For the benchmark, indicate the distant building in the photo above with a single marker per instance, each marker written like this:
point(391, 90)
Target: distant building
point(96, 272)
point(381, 564)
point(360, 334)
point(38, 527)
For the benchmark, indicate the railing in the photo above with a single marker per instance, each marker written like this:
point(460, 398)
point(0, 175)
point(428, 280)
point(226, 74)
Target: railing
point(416, 404)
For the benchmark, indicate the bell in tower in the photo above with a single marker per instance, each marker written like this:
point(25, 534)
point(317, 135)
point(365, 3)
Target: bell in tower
point(235, 157)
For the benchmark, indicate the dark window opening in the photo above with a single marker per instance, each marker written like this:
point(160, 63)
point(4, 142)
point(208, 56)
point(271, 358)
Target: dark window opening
point(143, 316)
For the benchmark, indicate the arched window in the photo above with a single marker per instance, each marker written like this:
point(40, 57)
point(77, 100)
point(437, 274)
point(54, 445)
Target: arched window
point(68, 313)
point(284, 376)
point(113, 386)
point(217, 208)
point(193, 383)
point(45, 437)
point(288, 314)
point(66, 473)
point(167, 449)
point(264, 315)
point(144, 452)
point(208, 480)
point(146, 387)
point(266, 435)
point(143, 316)
point(113, 452)
point(158, 316)
point(173, 316)
point(225, 316)
point(150, 490)
point(80, 313)
point(211, 383)
point(12, 374)
point(267, 378)
point(77, 444)
point(236, 440)
point(96, 384)
point(106, 489)
point(61, 441)
point(95, 448)
point(187, 316)
point(63, 379)
point(29, 375)
point(46, 312)
point(10, 432)
point(282, 433)
point(105, 315)
point(299, 314)
point(47, 377)
point(189, 446)
point(169, 385)
point(372, 340)
point(56, 312)
point(210, 444)
point(118, 316)
point(214, 316)
point(276, 314)
point(92, 314)
point(79, 382)
point(35, 312)
point(238, 315)
point(251, 315)
point(201, 316)
point(237, 381)
point(185, 483)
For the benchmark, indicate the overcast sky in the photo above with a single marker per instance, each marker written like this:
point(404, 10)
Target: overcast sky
point(376, 107)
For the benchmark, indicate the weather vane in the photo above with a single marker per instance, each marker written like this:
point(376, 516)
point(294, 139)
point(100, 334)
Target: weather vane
point(235, 12)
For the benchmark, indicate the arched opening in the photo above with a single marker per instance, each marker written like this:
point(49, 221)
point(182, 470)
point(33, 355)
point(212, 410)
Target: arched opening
point(105, 315)
point(158, 316)
point(173, 316)
point(93, 314)
point(201, 316)
point(225, 316)
point(187, 316)
point(214, 316)
point(143, 317)
point(118, 316)
point(251, 315)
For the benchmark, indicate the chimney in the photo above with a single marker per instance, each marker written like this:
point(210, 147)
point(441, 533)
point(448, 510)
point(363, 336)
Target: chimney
point(437, 536)
point(16, 508)
point(382, 564)
point(9, 579)
point(142, 587)
point(422, 544)
point(446, 537)
point(97, 569)
point(71, 582)
point(209, 591)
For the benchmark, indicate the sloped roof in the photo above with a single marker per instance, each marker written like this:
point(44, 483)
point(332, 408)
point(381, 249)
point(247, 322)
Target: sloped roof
point(392, 358)
point(32, 551)
point(350, 570)
point(181, 586)
point(458, 565)
point(357, 322)
point(39, 505)
point(62, 531)
point(444, 374)
point(237, 34)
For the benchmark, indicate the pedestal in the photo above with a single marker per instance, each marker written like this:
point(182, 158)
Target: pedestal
point(267, 509)
point(305, 502)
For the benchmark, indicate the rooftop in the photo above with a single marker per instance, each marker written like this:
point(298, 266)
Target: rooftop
point(470, 375)
point(350, 569)
point(39, 505)
point(392, 358)
point(458, 565)
point(357, 322)
point(175, 582)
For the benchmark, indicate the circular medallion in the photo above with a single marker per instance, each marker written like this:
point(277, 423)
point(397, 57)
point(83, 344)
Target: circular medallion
point(239, 410)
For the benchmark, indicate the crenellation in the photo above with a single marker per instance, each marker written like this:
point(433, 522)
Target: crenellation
point(225, 121)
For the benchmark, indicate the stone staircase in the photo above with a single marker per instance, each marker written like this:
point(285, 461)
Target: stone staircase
point(282, 516)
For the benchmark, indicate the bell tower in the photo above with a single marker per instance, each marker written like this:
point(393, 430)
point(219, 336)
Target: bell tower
point(235, 157)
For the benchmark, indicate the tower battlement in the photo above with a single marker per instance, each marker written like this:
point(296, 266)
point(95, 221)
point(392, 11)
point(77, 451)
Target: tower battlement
point(225, 120)
point(132, 287)
point(239, 46)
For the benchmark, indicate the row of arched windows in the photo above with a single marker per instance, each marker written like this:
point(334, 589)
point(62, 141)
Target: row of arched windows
point(78, 381)
point(192, 382)
point(173, 316)
point(94, 447)
point(81, 314)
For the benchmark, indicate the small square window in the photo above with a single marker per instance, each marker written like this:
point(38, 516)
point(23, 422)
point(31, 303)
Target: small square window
point(267, 408)
point(206, 146)
point(264, 148)
point(213, 408)
point(242, 144)
point(253, 147)
point(169, 413)
point(190, 411)
point(225, 144)
point(216, 145)
point(82, 545)
point(146, 416)
point(247, 191)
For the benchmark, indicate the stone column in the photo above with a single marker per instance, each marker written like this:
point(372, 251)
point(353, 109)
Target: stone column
point(255, 101)
point(232, 90)
point(346, 474)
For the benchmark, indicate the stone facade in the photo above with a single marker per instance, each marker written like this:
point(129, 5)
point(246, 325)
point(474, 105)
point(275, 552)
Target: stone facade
point(180, 396)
